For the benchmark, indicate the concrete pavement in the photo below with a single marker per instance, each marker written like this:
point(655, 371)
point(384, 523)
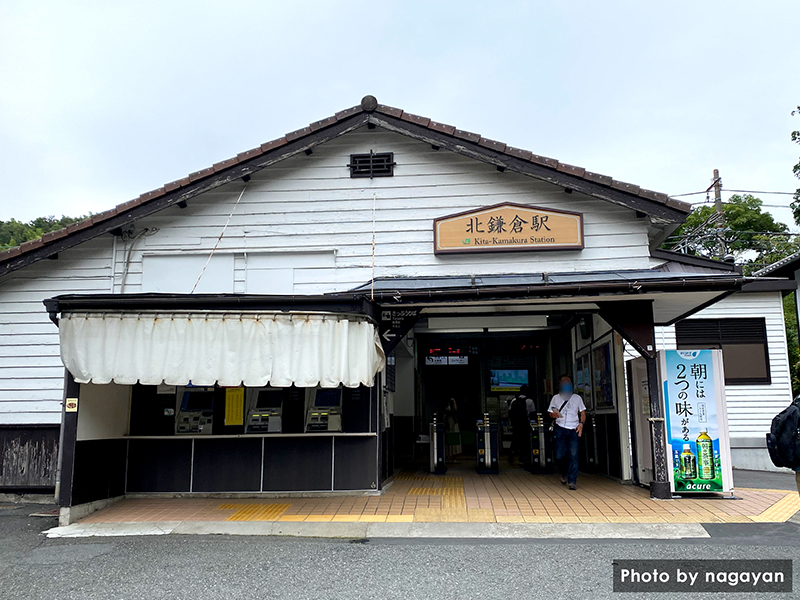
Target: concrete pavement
point(177, 567)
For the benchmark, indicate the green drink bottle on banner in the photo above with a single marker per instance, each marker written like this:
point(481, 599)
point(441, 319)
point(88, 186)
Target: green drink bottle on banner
point(688, 463)
point(705, 456)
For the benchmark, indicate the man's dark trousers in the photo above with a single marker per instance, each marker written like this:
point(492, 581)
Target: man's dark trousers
point(567, 443)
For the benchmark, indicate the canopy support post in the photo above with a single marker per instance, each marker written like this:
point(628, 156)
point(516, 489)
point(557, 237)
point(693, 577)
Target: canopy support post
point(69, 437)
point(633, 320)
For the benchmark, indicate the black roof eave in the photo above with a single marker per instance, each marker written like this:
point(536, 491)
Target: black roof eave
point(342, 303)
point(362, 303)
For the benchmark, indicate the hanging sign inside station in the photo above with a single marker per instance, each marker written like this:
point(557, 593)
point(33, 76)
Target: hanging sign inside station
point(508, 227)
point(394, 325)
point(693, 389)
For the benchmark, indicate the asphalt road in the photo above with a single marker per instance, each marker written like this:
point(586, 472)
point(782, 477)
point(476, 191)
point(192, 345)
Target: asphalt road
point(195, 567)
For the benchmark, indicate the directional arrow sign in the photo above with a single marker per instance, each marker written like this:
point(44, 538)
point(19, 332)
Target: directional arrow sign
point(396, 323)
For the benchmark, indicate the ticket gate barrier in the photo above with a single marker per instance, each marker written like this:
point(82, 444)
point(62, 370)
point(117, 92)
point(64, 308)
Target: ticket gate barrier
point(541, 445)
point(488, 446)
point(437, 448)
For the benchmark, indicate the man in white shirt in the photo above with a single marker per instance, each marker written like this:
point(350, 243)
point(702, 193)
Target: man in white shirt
point(569, 412)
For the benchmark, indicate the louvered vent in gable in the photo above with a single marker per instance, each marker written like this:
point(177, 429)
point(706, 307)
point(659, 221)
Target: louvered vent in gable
point(374, 164)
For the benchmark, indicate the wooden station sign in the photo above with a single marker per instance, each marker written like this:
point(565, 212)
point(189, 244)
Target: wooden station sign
point(508, 227)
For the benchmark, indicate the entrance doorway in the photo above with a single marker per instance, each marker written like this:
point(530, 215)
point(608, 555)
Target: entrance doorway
point(461, 377)
point(467, 376)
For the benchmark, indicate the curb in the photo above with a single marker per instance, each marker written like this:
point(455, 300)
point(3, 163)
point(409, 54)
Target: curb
point(653, 531)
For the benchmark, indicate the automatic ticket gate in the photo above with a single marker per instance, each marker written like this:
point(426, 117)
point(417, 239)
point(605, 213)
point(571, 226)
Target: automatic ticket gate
point(541, 445)
point(488, 446)
point(437, 448)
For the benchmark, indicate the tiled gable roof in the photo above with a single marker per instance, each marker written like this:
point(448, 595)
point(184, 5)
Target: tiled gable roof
point(368, 106)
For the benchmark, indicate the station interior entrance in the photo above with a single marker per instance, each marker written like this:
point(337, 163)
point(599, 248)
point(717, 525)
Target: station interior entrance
point(463, 378)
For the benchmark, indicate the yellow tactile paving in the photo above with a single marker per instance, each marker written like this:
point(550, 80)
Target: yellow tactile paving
point(256, 512)
point(372, 518)
point(428, 515)
point(424, 491)
point(480, 515)
point(453, 482)
point(781, 510)
point(454, 502)
point(513, 496)
point(399, 518)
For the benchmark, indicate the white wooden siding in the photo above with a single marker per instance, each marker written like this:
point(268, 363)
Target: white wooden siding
point(31, 373)
point(310, 203)
point(303, 227)
point(750, 407)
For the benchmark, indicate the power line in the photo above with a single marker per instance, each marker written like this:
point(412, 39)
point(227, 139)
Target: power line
point(737, 191)
point(737, 231)
point(708, 202)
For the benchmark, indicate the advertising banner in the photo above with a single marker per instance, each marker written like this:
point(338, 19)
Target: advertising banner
point(698, 443)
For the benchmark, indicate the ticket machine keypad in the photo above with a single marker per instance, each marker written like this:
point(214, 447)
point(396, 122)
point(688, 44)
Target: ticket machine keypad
point(324, 419)
point(198, 423)
point(264, 421)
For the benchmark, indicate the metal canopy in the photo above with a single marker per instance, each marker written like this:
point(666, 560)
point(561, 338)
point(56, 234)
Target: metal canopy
point(674, 295)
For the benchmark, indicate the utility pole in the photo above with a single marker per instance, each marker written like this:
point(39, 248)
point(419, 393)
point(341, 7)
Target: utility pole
point(717, 183)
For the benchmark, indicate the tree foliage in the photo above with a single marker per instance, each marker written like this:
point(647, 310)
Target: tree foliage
point(793, 346)
point(752, 236)
point(13, 232)
point(796, 170)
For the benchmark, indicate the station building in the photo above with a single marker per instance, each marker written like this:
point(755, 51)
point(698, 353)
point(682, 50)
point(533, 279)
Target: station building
point(292, 319)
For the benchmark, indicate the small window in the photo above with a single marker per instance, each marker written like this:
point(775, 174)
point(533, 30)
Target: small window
point(745, 355)
point(374, 164)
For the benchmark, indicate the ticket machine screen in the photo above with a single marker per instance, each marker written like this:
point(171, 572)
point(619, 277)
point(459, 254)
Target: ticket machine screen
point(194, 401)
point(270, 399)
point(332, 397)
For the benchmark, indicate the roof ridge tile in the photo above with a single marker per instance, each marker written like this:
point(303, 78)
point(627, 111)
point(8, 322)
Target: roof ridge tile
point(389, 110)
point(348, 112)
point(492, 144)
point(415, 119)
point(467, 135)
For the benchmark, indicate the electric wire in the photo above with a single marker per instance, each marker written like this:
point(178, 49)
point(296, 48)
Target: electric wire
point(737, 191)
point(219, 239)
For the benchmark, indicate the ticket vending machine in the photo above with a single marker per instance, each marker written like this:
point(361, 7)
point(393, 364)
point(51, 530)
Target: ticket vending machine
point(487, 440)
point(323, 409)
point(195, 411)
point(265, 413)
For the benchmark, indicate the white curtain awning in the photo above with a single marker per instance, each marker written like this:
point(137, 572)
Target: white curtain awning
point(254, 349)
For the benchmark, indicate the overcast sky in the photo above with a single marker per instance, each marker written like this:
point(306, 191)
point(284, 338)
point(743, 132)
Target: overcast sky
point(101, 101)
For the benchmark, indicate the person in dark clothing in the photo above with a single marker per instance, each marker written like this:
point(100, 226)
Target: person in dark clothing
point(519, 419)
